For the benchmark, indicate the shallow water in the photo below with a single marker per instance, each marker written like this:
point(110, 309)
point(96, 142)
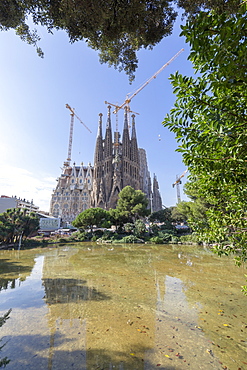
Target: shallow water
point(122, 307)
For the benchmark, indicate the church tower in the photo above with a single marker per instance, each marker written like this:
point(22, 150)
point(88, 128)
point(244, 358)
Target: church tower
point(126, 152)
point(157, 201)
point(108, 159)
point(119, 164)
point(134, 157)
point(116, 164)
point(98, 198)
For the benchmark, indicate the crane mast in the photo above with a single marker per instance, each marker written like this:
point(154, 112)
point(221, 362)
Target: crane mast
point(177, 183)
point(70, 138)
point(73, 115)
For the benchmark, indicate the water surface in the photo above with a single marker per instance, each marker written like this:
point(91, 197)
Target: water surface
point(122, 307)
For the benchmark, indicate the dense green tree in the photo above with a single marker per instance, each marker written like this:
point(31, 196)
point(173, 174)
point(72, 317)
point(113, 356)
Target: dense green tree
point(209, 120)
point(117, 218)
point(194, 212)
point(132, 204)
point(16, 223)
point(163, 215)
point(139, 228)
point(129, 227)
point(117, 29)
point(90, 217)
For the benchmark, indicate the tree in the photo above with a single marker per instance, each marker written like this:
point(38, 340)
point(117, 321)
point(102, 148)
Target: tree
point(194, 212)
point(163, 215)
point(90, 217)
point(139, 228)
point(117, 29)
point(117, 218)
point(209, 119)
point(16, 223)
point(132, 204)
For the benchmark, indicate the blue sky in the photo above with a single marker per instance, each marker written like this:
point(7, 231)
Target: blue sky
point(35, 122)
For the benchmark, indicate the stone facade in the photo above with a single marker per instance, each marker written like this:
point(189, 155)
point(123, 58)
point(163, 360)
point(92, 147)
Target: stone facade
point(116, 164)
point(156, 198)
point(72, 194)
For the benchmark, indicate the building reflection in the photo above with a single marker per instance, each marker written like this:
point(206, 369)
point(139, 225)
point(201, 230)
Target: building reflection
point(106, 319)
point(130, 313)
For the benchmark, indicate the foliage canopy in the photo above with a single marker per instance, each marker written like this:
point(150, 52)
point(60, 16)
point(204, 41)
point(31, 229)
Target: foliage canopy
point(209, 120)
point(90, 217)
point(132, 204)
point(117, 29)
point(15, 223)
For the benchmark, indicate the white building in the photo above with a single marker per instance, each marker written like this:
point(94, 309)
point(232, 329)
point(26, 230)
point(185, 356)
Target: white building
point(14, 202)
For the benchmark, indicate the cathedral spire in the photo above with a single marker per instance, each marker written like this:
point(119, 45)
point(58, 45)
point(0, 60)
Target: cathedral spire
point(108, 136)
point(133, 135)
point(126, 118)
point(100, 126)
point(99, 151)
point(126, 138)
point(108, 125)
point(134, 154)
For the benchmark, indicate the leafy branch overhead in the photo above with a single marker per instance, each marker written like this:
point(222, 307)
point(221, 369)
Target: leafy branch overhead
point(209, 120)
point(116, 29)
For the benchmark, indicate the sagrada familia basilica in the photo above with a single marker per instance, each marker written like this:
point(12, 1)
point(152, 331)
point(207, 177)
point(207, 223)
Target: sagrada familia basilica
point(116, 165)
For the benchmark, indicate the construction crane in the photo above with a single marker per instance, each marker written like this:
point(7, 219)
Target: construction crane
point(73, 115)
point(129, 98)
point(116, 112)
point(177, 183)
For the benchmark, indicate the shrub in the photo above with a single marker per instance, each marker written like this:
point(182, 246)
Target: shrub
point(107, 235)
point(98, 233)
point(129, 227)
point(190, 238)
point(175, 239)
point(156, 240)
point(166, 237)
point(129, 239)
point(62, 240)
point(81, 236)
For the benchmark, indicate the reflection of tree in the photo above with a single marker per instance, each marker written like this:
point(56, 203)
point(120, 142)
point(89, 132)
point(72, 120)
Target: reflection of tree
point(81, 359)
point(70, 290)
point(62, 296)
point(8, 284)
point(15, 270)
point(4, 361)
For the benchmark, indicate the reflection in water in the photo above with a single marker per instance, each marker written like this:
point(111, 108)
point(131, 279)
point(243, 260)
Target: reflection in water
point(69, 290)
point(9, 283)
point(131, 308)
point(175, 321)
point(23, 292)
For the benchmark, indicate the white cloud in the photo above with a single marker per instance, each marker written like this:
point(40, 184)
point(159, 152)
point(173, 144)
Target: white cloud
point(15, 181)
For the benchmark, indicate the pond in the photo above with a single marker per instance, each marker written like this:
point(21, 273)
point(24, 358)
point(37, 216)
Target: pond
point(126, 307)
